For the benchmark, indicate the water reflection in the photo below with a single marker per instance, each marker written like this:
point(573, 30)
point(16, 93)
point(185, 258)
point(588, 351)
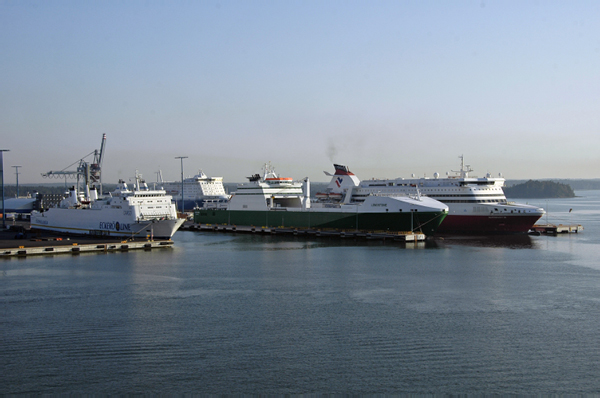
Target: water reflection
point(260, 242)
point(496, 241)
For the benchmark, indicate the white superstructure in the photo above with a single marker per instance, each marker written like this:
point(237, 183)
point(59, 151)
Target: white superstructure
point(124, 212)
point(139, 212)
point(198, 191)
point(274, 200)
point(270, 191)
point(20, 204)
point(345, 188)
point(477, 205)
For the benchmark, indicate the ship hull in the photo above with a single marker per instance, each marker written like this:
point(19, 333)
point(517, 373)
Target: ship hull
point(487, 224)
point(190, 205)
point(19, 205)
point(476, 205)
point(102, 223)
point(393, 222)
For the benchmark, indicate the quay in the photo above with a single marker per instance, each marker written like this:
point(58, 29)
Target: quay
point(408, 237)
point(21, 242)
point(552, 229)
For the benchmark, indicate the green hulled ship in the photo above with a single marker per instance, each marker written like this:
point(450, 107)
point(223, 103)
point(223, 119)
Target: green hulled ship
point(272, 201)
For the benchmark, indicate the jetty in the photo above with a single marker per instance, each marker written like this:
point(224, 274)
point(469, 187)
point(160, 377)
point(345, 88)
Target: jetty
point(22, 242)
point(552, 229)
point(408, 237)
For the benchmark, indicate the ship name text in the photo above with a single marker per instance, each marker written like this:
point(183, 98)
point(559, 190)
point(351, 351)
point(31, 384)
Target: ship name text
point(114, 226)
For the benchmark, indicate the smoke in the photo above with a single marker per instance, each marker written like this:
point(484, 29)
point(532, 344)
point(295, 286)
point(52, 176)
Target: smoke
point(332, 150)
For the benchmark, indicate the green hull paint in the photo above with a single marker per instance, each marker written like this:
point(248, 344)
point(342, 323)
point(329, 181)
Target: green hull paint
point(393, 222)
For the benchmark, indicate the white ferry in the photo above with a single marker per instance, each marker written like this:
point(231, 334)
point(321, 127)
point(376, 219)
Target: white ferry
point(271, 200)
point(20, 204)
point(477, 205)
point(139, 212)
point(198, 191)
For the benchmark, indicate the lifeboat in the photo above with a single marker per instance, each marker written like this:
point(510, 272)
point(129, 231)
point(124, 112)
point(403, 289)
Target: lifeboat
point(278, 180)
point(335, 196)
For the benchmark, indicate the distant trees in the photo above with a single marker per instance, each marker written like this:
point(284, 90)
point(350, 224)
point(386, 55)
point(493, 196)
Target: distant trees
point(590, 183)
point(10, 191)
point(539, 189)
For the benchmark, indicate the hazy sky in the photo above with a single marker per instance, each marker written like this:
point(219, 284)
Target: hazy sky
point(388, 88)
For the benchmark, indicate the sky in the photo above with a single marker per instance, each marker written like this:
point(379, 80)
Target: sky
point(388, 88)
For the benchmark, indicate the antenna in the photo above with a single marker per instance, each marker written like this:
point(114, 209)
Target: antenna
point(17, 173)
point(182, 202)
point(464, 169)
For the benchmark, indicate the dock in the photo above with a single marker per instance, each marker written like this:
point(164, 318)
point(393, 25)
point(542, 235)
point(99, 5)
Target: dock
point(408, 237)
point(552, 229)
point(21, 242)
point(76, 248)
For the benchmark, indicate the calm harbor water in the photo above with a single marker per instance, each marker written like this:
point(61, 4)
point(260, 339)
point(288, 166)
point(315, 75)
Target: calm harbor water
point(223, 313)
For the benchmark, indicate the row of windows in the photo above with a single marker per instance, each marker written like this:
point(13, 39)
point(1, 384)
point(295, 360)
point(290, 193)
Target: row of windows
point(391, 184)
point(465, 196)
point(474, 201)
point(439, 190)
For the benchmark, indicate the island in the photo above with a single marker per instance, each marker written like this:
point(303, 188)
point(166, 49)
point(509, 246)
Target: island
point(539, 189)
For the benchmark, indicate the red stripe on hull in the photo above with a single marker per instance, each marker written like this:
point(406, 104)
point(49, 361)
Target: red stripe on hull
point(496, 224)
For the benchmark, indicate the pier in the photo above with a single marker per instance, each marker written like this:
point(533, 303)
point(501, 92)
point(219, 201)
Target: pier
point(552, 229)
point(21, 242)
point(408, 237)
point(77, 248)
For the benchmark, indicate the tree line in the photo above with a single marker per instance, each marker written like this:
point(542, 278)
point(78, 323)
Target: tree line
point(540, 189)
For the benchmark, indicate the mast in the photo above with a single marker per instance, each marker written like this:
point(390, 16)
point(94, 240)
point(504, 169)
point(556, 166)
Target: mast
point(464, 170)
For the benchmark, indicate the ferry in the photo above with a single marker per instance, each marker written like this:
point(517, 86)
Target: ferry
point(21, 204)
point(273, 201)
point(476, 205)
point(139, 212)
point(198, 191)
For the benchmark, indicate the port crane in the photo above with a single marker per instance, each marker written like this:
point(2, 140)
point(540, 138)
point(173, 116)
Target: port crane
point(91, 173)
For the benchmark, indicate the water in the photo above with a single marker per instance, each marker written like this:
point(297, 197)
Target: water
point(225, 313)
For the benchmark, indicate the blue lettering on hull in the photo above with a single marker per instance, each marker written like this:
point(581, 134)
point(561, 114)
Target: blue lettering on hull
point(114, 226)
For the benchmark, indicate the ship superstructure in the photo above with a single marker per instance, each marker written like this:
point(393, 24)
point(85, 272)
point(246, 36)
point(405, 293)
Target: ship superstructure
point(198, 191)
point(477, 204)
point(136, 212)
point(270, 200)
